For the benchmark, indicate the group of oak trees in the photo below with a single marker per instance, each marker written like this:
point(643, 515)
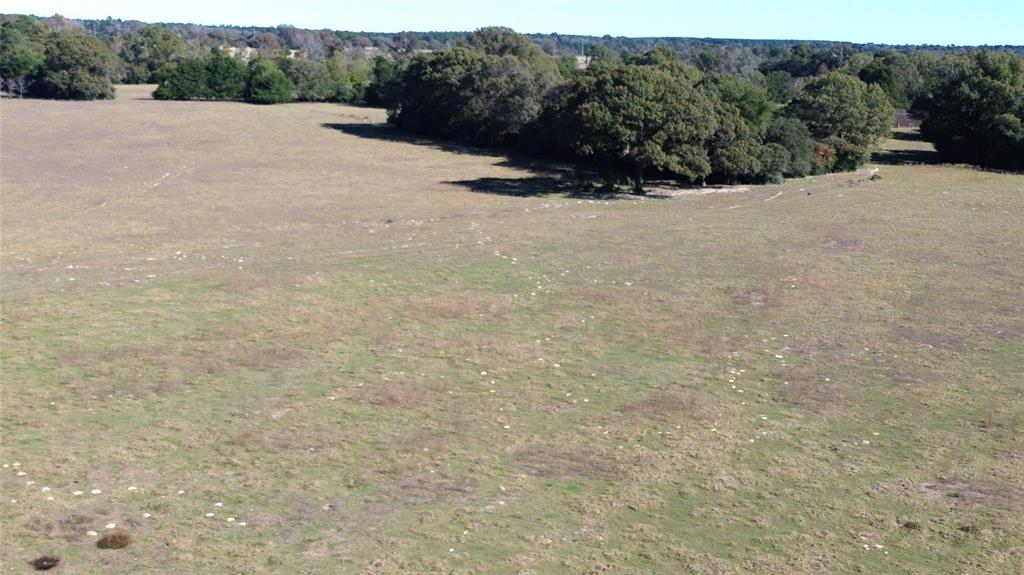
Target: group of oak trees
point(646, 114)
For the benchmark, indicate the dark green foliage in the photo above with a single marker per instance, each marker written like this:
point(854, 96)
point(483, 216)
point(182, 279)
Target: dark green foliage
point(77, 67)
point(266, 84)
point(883, 74)
point(145, 51)
point(312, 80)
point(498, 41)
point(225, 76)
point(21, 53)
point(751, 101)
point(774, 159)
point(780, 86)
point(791, 135)
point(977, 114)
point(216, 76)
point(386, 83)
point(735, 148)
point(644, 117)
point(466, 95)
point(846, 114)
point(184, 79)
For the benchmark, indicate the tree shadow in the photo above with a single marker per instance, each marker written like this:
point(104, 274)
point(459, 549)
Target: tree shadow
point(389, 133)
point(913, 136)
point(536, 186)
point(512, 159)
point(907, 158)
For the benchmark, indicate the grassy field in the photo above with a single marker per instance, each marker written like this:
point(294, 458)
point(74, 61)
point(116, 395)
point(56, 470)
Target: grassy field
point(286, 340)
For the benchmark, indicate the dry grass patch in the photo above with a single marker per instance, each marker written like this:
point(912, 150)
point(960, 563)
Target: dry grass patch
point(961, 492)
point(566, 465)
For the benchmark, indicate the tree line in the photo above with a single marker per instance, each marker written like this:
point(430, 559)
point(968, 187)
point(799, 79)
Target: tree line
point(765, 112)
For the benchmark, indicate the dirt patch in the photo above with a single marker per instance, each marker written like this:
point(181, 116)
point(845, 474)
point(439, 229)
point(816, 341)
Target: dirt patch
point(822, 348)
point(430, 309)
point(846, 245)
point(809, 392)
point(397, 395)
point(419, 488)
point(964, 493)
point(566, 465)
point(931, 339)
point(67, 528)
point(753, 298)
point(669, 406)
point(1003, 332)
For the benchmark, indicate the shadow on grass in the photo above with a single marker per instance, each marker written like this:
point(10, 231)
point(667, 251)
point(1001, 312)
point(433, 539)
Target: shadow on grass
point(549, 179)
point(907, 157)
point(909, 136)
point(389, 133)
point(536, 186)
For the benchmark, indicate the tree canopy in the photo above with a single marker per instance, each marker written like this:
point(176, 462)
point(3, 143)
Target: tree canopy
point(77, 67)
point(977, 114)
point(845, 114)
point(145, 51)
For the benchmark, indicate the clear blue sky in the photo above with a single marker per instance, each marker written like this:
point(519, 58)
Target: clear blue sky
point(965, 22)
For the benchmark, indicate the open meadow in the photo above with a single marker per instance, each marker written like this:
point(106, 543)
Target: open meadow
point(290, 340)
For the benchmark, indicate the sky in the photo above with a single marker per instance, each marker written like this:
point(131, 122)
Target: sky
point(961, 22)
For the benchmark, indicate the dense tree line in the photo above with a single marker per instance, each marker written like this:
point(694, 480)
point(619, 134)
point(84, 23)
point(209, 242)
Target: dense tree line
point(976, 113)
point(645, 114)
point(774, 108)
point(56, 64)
point(219, 76)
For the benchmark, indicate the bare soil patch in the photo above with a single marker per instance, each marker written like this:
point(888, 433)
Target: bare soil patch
point(398, 395)
point(669, 406)
point(827, 348)
point(813, 393)
point(566, 466)
point(960, 492)
point(419, 488)
point(846, 245)
point(931, 339)
point(753, 298)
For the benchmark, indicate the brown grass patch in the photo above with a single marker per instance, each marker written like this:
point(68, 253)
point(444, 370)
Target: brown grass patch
point(430, 309)
point(823, 348)
point(567, 466)
point(846, 245)
point(419, 488)
point(960, 492)
point(753, 298)
point(398, 395)
point(931, 339)
point(665, 406)
point(810, 392)
point(66, 528)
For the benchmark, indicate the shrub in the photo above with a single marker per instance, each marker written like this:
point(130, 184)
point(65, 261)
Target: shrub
point(267, 85)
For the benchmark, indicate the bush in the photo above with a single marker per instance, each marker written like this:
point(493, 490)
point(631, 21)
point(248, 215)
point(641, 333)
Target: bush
point(217, 76)
point(793, 136)
point(267, 85)
point(185, 79)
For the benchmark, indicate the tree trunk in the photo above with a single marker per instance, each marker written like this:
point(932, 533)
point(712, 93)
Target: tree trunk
point(638, 180)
